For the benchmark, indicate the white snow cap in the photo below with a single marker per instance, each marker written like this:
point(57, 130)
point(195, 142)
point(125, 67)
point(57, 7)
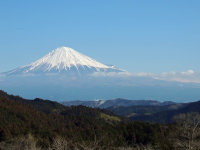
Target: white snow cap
point(64, 58)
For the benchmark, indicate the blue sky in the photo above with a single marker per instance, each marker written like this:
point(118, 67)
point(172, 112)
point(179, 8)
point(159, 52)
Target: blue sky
point(139, 36)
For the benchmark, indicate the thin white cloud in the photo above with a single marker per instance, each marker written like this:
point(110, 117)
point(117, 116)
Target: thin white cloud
point(189, 76)
point(188, 72)
point(112, 74)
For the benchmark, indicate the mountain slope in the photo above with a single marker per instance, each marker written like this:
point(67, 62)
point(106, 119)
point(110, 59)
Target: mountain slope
point(119, 102)
point(143, 110)
point(45, 106)
point(78, 125)
point(48, 106)
point(166, 116)
point(63, 59)
point(156, 113)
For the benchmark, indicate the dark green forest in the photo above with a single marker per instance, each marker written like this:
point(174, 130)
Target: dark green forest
point(51, 125)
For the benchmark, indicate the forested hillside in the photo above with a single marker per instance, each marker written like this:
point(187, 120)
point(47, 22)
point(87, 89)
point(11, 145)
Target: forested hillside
point(48, 125)
point(156, 114)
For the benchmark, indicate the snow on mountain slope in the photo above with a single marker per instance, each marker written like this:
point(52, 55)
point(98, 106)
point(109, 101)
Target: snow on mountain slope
point(64, 59)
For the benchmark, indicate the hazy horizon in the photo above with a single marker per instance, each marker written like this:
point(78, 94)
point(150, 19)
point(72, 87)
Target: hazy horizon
point(156, 42)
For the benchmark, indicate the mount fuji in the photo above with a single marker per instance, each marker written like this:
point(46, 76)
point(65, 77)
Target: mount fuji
point(64, 60)
point(65, 74)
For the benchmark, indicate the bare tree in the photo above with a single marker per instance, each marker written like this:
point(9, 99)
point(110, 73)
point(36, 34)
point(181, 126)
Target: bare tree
point(59, 143)
point(27, 142)
point(93, 144)
point(187, 133)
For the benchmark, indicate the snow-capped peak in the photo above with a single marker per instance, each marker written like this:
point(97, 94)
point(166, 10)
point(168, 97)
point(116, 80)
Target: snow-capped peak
point(65, 58)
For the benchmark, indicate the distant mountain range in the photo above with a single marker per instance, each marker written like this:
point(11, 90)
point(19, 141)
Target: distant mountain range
point(142, 110)
point(119, 102)
point(163, 114)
